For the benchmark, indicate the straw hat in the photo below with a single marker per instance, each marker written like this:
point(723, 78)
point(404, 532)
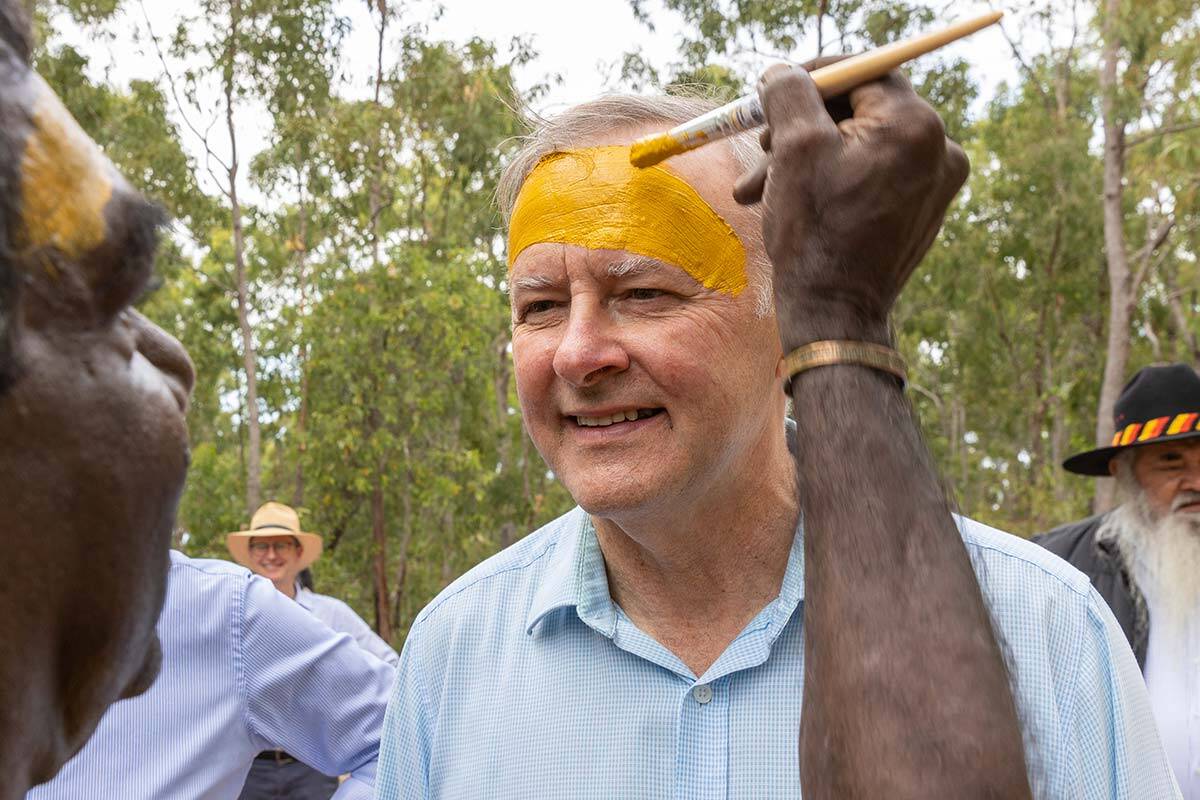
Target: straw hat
point(273, 519)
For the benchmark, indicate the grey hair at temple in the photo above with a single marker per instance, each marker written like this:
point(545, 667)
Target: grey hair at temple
point(590, 122)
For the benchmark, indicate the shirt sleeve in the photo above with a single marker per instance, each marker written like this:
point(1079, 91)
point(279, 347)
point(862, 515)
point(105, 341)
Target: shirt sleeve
point(309, 691)
point(1111, 738)
point(343, 619)
point(405, 749)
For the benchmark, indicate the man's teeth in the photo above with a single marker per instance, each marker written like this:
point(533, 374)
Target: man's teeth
point(612, 419)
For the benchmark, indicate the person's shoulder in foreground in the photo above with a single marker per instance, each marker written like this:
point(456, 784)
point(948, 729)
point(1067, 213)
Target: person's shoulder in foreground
point(244, 670)
point(496, 690)
point(1089, 731)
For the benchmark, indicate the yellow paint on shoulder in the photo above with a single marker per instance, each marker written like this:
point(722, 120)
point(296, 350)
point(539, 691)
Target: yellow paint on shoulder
point(595, 198)
point(65, 181)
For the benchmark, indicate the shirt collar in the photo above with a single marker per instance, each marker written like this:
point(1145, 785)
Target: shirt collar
point(558, 587)
point(303, 597)
point(575, 577)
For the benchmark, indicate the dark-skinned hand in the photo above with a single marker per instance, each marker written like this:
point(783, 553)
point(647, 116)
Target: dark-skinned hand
point(854, 191)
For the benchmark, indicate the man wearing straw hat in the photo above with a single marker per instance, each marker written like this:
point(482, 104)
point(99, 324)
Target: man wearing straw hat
point(1143, 557)
point(276, 548)
point(660, 639)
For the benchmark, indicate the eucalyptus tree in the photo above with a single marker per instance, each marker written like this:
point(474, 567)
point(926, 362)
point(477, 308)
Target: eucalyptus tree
point(1148, 90)
point(254, 54)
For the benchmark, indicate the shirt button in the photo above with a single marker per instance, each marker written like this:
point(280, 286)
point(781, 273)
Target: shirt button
point(702, 694)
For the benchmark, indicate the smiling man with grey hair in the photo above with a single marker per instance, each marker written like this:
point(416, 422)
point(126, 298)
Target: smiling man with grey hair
point(660, 639)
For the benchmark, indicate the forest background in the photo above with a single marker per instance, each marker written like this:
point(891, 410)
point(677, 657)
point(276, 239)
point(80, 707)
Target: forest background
point(341, 289)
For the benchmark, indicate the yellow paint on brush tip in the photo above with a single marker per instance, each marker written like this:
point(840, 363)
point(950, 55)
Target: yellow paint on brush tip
point(596, 198)
point(651, 150)
point(65, 181)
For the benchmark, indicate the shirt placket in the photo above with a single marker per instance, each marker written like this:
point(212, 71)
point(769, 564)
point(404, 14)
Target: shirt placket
point(702, 761)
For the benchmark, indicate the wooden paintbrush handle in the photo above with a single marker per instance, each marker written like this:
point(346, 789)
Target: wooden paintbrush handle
point(843, 76)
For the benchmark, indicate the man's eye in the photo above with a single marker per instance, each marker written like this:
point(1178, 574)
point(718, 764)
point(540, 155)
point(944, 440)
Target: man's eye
point(537, 307)
point(645, 294)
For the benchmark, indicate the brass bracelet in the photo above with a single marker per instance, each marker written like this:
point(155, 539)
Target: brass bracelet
point(826, 353)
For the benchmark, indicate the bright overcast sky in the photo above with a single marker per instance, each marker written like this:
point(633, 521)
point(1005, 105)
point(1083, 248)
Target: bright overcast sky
point(577, 41)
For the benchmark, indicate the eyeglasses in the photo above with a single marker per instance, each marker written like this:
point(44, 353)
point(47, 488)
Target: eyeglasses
point(283, 548)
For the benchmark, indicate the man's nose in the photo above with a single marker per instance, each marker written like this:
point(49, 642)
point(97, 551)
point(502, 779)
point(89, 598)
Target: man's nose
point(1191, 476)
point(163, 350)
point(590, 348)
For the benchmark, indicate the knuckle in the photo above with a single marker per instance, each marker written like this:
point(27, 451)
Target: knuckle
point(794, 139)
point(924, 134)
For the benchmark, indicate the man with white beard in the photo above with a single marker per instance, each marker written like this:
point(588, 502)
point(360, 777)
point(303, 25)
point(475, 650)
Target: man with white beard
point(1144, 556)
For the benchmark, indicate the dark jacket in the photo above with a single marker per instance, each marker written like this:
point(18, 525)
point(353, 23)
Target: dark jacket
point(1076, 543)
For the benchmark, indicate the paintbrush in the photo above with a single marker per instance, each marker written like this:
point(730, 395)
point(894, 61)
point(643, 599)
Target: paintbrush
point(746, 112)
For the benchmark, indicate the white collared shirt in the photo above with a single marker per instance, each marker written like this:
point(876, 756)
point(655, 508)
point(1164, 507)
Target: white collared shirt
point(244, 670)
point(342, 619)
point(1173, 678)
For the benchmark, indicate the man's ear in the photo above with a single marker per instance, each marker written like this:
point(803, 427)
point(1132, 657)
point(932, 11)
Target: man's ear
point(1112, 467)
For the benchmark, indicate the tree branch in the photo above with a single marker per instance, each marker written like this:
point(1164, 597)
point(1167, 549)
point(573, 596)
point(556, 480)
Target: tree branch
point(1135, 140)
point(203, 137)
point(1154, 239)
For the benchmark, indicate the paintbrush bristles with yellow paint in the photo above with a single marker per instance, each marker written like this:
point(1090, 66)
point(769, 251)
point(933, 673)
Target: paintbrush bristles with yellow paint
point(746, 113)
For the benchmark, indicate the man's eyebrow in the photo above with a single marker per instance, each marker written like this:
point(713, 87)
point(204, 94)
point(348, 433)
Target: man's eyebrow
point(531, 283)
point(633, 266)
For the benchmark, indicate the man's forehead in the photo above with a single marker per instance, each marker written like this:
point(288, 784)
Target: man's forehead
point(550, 264)
point(594, 198)
point(1171, 449)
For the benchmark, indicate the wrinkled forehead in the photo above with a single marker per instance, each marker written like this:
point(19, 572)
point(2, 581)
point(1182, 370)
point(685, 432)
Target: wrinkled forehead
point(626, 218)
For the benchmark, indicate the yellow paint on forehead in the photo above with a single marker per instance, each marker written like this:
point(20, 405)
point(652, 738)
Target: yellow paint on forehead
point(595, 198)
point(65, 181)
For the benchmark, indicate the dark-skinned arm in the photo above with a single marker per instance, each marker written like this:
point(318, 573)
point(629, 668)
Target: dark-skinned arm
point(906, 694)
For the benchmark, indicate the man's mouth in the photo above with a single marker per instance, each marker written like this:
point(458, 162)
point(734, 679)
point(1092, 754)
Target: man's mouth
point(615, 418)
point(1188, 503)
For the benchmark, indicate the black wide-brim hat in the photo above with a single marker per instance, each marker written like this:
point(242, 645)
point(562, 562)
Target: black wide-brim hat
point(1159, 404)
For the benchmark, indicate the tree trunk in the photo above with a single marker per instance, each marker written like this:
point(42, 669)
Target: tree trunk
point(249, 360)
point(375, 190)
point(1120, 282)
point(302, 280)
point(383, 616)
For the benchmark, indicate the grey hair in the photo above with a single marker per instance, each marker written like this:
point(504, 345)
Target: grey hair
point(1128, 488)
point(588, 122)
point(1121, 526)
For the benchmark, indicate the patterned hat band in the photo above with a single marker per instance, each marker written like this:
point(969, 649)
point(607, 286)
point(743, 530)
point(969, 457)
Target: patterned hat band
point(1137, 432)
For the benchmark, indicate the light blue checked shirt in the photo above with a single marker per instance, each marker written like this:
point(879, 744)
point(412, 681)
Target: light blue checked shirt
point(244, 670)
point(341, 617)
point(524, 680)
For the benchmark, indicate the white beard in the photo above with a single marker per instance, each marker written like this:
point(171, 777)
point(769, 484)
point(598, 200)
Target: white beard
point(1162, 556)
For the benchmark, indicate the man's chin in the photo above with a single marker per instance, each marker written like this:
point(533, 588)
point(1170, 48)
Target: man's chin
point(1190, 519)
point(611, 500)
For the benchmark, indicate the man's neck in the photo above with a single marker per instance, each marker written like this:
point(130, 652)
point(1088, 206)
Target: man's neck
point(694, 578)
